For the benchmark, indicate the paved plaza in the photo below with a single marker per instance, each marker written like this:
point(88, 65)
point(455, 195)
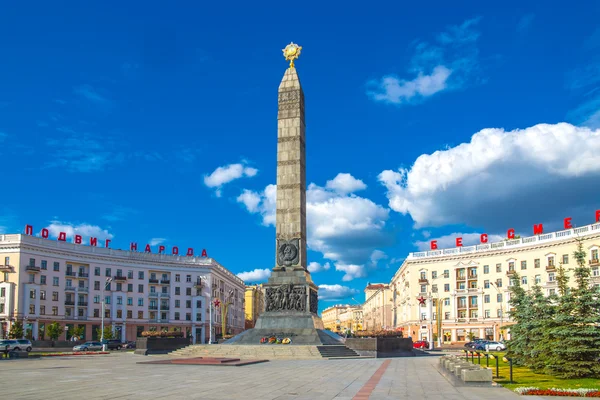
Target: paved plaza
point(118, 376)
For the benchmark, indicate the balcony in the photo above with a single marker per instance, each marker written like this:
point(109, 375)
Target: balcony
point(69, 288)
point(198, 284)
point(472, 276)
point(84, 275)
point(69, 303)
point(71, 273)
point(153, 294)
point(82, 304)
point(81, 318)
point(423, 281)
point(460, 277)
point(595, 261)
point(82, 289)
point(461, 320)
point(32, 268)
point(164, 308)
point(153, 308)
point(5, 268)
point(165, 295)
point(510, 272)
point(551, 268)
point(119, 278)
point(152, 280)
point(165, 281)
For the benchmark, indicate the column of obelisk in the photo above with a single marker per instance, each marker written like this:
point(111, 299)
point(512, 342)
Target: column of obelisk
point(291, 297)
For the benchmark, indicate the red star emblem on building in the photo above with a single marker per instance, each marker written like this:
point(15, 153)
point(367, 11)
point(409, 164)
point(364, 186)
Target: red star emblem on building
point(421, 300)
point(217, 303)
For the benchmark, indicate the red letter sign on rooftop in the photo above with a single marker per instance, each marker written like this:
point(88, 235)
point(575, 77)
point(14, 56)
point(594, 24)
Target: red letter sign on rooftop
point(434, 245)
point(568, 223)
point(484, 238)
point(538, 229)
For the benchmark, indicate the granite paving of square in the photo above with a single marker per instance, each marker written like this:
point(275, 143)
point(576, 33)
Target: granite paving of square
point(119, 376)
point(225, 362)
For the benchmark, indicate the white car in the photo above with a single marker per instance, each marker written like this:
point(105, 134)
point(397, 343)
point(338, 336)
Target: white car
point(495, 346)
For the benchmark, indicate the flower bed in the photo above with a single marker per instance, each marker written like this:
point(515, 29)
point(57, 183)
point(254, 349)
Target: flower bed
point(168, 334)
point(275, 340)
point(534, 391)
point(73, 353)
point(377, 334)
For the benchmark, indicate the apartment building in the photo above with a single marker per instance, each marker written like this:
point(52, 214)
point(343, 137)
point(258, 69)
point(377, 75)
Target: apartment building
point(254, 304)
point(44, 281)
point(341, 318)
point(453, 293)
point(377, 308)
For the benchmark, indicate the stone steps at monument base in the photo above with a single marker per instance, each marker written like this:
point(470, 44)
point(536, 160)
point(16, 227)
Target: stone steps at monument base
point(336, 351)
point(265, 351)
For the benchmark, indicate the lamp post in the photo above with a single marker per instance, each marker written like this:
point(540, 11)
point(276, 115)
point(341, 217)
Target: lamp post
point(108, 281)
point(501, 309)
point(210, 306)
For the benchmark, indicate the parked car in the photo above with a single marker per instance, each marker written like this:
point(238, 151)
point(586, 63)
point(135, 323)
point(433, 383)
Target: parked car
point(23, 344)
point(88, 346)
point(8, 345)
point(421, 344)
point(129, 345)
point(480, 345)
point(497, 346)
point(112, 344)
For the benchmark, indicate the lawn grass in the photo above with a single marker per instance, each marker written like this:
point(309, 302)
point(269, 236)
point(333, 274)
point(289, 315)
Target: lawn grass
point(524, 377)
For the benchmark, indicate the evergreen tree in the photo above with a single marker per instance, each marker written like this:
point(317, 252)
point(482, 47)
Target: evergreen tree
point(543, 312)
point(521, 315)
point(16, 330)
point(576, 334)
point(108, 333)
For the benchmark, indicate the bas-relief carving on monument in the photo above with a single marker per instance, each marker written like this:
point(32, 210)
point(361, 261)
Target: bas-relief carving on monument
point(288, 252)
point(314, 302)
point(286, 298)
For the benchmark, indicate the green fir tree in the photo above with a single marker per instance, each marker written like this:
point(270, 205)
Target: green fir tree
point(16, 330)
point(521, 315)
point(542, 313)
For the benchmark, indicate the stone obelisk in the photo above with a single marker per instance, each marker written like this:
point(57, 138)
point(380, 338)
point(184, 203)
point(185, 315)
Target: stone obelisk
point(291, 297)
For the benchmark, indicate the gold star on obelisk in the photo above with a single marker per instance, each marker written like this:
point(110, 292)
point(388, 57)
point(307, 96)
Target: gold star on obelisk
point(291, 53)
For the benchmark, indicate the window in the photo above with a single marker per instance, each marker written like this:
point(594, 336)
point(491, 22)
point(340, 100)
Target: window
point(177, 290)
point(119, 287)
point(107, 274)
point(130, 301)
point(140, 274)
point(55, 281)
point(96, 299)
point(6, 260)
point(486, 269)
point(54, 296)
point(511, 266)
point(177, 303)
point(423, 275)
point(446, 287)
point(536, 263)
point(433, 274)
point(551, 277)
point(446, 302)
point(129, 314)
point(32, 309)
point(486, 313)
point(423, 288)
point(140, 288)
point(188, 316)
point(130, 287)
point(198, 316)
point(153, 275)
point(460, 286)
point(499, 282)
point(69, 283)
point(140, 301)
point(552, 292)
point(120, 272)
point(140, 315)
point(54, 310)
point(538, 279)
point(523, 264)
point(565, 258)
point(96, 285)
point(32, 294)
point(595, 271)
point(119, 300)
point(523, 280)
point(499, 298)
point(486, 298)
point(44, 264)
point(446, 273)
point(165, 290)
point(188, 304)
point(107, 300)
point(107, 285)
point(473, 300)
point(152, 289)
point(551, 261)
point(42, 295)
point(176, 316)
point(56, 266)
point(188, 291)
point(498, 267)
point(97, 271)
point(6, 277)
point(42, 310)
point(486, 284)
point(188, 278)
point(594, 255)
point(446, 315)
point(3, 292)
point(107, 313)
point(43, 280)
point(119, 313)
point(177, 278)
point(130, 274)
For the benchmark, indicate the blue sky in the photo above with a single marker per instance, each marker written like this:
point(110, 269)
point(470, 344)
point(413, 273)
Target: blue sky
point(423, 122)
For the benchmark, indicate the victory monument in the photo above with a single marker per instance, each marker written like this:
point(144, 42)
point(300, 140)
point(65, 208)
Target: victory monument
point(291, 297)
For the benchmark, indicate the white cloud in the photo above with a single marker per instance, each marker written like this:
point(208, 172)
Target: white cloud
point(376, 256)
point(335, 292)
point(316, 267)
point(449, 241)
point(157, 241)
point(426, 234)
point(226, 174)
point(257, 275)
point(517, 177)
point(344, 228)
point(351, 271)
point(345, 183)
point(85, 230)
point(450, 64)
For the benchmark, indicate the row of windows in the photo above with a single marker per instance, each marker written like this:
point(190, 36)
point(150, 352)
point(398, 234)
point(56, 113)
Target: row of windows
point(81, 312)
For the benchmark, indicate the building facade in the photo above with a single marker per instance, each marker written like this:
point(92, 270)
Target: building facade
point(377, 308)
point(453, 294)
point(342, 318)
point(45, 281)
point(254, 304)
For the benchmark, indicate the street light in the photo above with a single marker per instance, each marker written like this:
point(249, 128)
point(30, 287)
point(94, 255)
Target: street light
point(501, 309)
point(108, 281)
point(210, 306)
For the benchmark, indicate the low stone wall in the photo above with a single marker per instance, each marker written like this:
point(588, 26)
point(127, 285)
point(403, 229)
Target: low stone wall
point(61, 344)
point(466, 371)
point(153, 345)
point(381, 347)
